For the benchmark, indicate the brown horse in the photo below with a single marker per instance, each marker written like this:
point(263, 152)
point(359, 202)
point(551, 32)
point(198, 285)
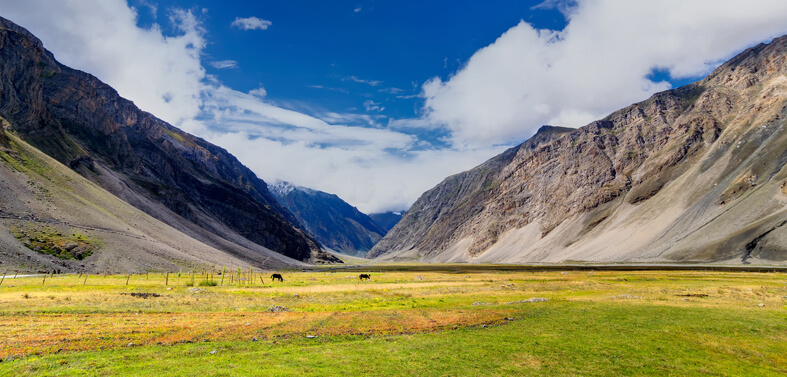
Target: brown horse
point(364, 276)
point(277, 276)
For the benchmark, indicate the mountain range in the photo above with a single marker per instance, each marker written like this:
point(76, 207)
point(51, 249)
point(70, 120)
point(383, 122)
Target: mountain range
point(184, 201)
point(694, 174)
point(332, 221)
point(90, 182)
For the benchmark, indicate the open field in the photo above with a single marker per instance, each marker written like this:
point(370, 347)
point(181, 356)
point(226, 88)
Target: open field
point(441, 322)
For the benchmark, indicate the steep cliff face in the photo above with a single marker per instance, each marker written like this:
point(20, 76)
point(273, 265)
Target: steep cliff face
point(83, 123)
point(691, 174)
point(332, 221)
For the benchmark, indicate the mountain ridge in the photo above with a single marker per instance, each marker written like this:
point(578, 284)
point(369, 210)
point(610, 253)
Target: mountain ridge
point(657, 181)
point(84, 123)
point(333, 222)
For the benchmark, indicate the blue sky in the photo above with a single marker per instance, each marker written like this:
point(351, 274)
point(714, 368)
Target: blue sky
point(320, 56)
point(378, 101)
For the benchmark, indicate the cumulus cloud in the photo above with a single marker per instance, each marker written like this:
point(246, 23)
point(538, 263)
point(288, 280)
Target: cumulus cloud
point(161, 74)
point(251, 23)
point(224, 64)
point(372, 180)
point(600, 62)
point(259, 92)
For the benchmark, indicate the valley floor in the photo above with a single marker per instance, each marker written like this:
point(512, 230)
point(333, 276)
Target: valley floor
point(449, 322)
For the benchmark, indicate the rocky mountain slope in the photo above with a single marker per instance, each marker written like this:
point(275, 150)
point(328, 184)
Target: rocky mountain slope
point(694, 174)
point(53, 219)
point(333, 222)
point(191, 185)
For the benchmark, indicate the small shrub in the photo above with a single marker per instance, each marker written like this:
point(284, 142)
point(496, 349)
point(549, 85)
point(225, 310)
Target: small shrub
point(26, 295)
point(208, 283)
point(189, 283)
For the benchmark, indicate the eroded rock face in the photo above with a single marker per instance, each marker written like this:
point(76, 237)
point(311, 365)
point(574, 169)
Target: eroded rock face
point(673, 164)
point(84, 123)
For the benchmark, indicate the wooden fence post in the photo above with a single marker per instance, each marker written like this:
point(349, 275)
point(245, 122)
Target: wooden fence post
point(166, 282)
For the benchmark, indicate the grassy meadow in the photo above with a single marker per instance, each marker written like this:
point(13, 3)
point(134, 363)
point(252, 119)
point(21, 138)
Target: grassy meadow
point(404, 321)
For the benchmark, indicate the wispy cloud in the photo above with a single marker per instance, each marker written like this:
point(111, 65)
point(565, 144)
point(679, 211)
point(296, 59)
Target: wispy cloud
point(564, 6)
point(391, 90)
point(362, 81)
point(373, 106)
point(329, 88)
point(152, 7)
point(224, 64)
point(356, 10)
point(351, 119)
point(251, 23)
point(412, 124)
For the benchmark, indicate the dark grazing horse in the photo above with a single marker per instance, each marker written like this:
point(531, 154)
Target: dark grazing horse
point(364, 276)
point(277, 276)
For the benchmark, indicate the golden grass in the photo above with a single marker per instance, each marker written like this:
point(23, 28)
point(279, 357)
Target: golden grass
point(65, 313)
point(50, 333)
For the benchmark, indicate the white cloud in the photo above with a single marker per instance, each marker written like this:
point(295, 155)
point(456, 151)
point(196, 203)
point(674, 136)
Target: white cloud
point(376, 169)
point(251, 23)
point(259, 92)
point(161, 74)
point(391, 90)
point(224, 64)
point(373, 106)
point(523, 80)
point(356, 10)
point(372, 180)
point(341, 90)
point(152, 7)
point(564, 6)
point(597, 64)
point(362, 81)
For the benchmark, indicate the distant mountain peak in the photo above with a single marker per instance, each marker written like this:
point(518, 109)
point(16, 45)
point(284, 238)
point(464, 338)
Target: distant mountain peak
point(282, 188)
point(333, 222)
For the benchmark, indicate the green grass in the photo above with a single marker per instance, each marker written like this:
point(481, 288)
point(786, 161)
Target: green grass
point(552, 339)
point(51, 241)
point(457, 322)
